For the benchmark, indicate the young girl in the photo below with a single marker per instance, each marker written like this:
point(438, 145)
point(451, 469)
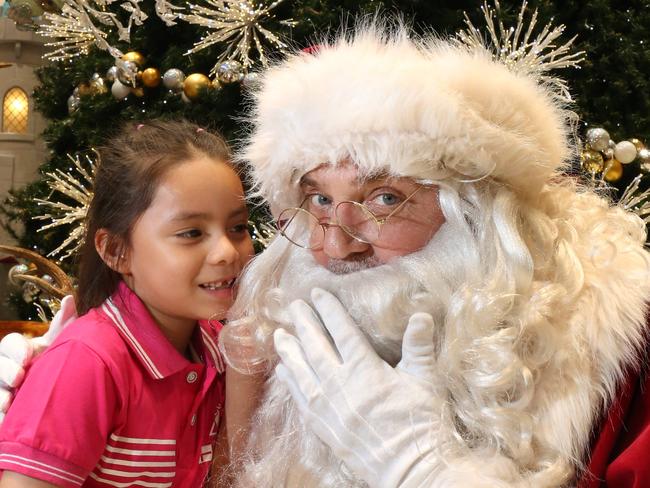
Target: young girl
point(132, 393)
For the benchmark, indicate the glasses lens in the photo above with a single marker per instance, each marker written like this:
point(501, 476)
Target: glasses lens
point(355, 219)
point(301, 228)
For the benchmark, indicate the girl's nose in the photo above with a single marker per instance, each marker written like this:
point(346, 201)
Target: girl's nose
point(223, 252)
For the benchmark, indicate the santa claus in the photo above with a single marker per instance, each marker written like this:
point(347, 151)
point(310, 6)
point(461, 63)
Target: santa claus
point(449, 308)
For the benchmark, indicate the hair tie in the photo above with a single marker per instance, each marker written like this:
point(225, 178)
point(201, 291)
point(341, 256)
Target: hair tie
point(139, 126)
point(200, 129)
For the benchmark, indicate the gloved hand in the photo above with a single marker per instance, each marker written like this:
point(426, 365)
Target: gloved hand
point(381, 421)
point(16, 351)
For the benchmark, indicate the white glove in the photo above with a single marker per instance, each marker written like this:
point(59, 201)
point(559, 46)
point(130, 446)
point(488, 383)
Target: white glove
point(378, 419)
point(16, 351)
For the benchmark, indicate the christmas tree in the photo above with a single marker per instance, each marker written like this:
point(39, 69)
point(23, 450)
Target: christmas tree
point(141, 43)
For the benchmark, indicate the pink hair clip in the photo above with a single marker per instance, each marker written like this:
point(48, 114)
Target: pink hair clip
point(200, 129)
point(139, 126)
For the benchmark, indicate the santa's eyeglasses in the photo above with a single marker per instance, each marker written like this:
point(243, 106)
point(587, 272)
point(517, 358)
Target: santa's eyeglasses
point(372, 223)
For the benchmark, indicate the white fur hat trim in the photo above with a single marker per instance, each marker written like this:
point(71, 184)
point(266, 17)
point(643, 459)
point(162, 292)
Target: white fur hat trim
point(426, 110)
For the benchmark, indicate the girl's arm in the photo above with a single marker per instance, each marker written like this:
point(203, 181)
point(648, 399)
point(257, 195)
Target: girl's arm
point(11, 479)
point(243, 394)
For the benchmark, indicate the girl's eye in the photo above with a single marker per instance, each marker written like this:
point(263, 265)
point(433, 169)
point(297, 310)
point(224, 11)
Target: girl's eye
point(190, 234)
point(240, 229)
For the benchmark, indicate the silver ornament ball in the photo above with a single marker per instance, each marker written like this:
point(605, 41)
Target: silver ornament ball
point(644, 159)
point(111, 74)
point(251, 80)
point(230, 72)
point(126, 73)
point(173, 79)
point(598, 139)
point(16, 270)
point(73, 104)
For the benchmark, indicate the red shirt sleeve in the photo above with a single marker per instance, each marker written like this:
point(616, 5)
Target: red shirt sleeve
point(57, 426)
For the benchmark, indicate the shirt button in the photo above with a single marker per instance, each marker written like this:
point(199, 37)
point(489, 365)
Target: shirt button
point(192, 376)
point(193, 420)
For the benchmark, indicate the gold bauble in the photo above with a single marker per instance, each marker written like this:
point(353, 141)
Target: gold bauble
point(151, 77)
point(216, 85)
point(138, 91)
point(592, 161)
point(85, 89)
point(637, 143)
point(194, 84)
point(613, 170)
point(135, 57)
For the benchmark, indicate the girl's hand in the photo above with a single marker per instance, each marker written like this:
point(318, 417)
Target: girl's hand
point(16, 351)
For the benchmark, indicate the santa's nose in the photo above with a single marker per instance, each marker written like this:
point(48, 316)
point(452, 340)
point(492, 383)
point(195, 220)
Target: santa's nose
point(337, 244)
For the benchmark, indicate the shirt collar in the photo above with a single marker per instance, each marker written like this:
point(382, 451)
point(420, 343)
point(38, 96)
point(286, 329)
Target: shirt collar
point(140, 331)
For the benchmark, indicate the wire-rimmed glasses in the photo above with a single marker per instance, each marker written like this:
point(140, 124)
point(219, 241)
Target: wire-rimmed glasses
point(368, 223)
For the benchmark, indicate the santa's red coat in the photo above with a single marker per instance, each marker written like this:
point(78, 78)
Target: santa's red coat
point(620, 457)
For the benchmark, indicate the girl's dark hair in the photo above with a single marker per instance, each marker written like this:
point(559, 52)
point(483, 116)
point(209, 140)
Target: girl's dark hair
point(131, 165)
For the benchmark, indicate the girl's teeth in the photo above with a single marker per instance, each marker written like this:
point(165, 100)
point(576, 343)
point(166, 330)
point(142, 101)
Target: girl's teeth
point(217, 286)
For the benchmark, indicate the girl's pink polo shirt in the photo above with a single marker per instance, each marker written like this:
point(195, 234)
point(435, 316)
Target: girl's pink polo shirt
point(112, 403)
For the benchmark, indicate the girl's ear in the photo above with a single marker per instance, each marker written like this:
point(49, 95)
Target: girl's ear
point(112, 251)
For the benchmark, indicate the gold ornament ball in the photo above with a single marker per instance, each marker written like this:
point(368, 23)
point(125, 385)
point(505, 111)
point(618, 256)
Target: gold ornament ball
point(637, 143)
point(138, 91)
point(614, 170)
point(134, 57)
point(592, 161)
point(151, 77)
point(194, 84)
point(85, 89)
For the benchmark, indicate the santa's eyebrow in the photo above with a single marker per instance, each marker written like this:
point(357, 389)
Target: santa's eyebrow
point(306, 180)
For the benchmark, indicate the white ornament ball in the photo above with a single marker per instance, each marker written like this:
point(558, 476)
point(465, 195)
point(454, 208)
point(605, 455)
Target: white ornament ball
point(598, 139)
point(119, 90)
point(625, 152)
point(173, 79)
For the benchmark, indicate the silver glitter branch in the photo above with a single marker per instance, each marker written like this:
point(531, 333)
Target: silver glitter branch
point(521, 52)
point(77, 188)
point(167, 12)
point(82, 24)
point(635, 201)
point(76, 28)
point(238, 24)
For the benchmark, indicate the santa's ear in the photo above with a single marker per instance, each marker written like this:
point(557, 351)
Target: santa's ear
point(113, 251)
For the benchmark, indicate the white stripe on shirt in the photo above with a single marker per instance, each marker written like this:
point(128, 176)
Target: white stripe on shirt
point(139, 464)
point(129, 483)
point(214, 352)
point(137, 452)
point(132, 474)
point(114, 314)
point(31, 464)
point(136, 440)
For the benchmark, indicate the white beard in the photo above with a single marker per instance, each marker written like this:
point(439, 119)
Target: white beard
point(381, 300)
